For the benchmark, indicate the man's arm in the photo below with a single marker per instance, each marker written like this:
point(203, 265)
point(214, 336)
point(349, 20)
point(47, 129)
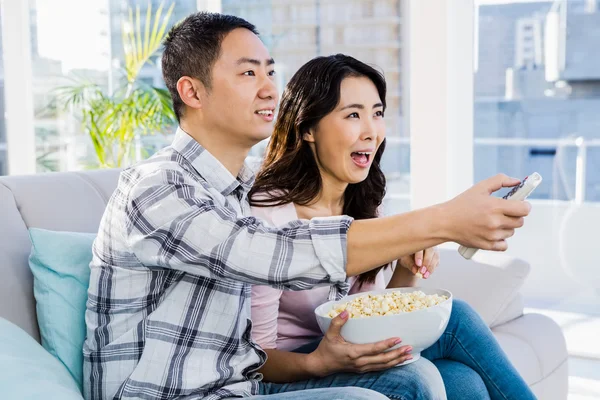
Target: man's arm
point(378, 241)
point(173, 222)
point(473, 219)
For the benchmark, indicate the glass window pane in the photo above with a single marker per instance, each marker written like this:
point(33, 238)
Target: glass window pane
point(537, 93)
point(95, 55)
point(555, 163)
point(397, 173)
point(592, 193)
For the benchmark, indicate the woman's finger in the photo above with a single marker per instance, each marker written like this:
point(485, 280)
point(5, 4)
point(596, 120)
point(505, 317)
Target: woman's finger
point(408, 262)
point(435, 261)
point(383, 358)
point(389, 359)
point(373, 349)
point(335, 328)
point(419, 258)
point(382, 367)
point(428, 256)
point(426, 261)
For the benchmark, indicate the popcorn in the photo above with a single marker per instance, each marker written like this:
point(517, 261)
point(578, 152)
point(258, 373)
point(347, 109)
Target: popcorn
point(388, 303)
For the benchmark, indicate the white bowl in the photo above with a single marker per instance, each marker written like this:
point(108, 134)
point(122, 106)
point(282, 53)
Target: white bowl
point(419, 329)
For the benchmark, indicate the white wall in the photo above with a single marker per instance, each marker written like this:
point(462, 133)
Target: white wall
point(440, 97)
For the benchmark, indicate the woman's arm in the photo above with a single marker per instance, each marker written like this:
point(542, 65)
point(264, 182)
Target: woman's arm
point(402, 277)
point(285, 366)
point(265, 311)
point(281, 366)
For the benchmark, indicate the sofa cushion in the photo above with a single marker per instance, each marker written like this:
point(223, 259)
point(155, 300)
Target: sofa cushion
point(27, 371)
point(60, 265)
point(512, 311)
point(489, 282)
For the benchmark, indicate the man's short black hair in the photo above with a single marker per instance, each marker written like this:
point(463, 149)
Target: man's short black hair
point(192, 48)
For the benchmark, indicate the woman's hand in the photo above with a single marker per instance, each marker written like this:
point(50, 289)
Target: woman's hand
point(422, 262)
point(334, 354)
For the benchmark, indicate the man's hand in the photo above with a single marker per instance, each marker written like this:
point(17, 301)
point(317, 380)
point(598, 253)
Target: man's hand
point(476, 219)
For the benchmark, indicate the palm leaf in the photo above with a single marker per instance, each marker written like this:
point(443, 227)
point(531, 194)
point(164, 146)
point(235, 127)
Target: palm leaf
point(139, 47)
point(77, 94)
point(157, 35)
point(147, 29)
point(138, 34)
point(161, 33)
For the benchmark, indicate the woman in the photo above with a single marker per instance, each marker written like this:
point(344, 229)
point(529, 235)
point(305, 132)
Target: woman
point(324, 160)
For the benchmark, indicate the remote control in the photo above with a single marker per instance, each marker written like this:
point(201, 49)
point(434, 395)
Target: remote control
point(519, 192)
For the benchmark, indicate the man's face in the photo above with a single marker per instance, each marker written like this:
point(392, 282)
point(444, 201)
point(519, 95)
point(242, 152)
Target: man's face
point(242, 100)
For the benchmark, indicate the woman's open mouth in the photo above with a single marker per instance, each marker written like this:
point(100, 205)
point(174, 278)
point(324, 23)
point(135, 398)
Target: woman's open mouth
point(361, 158)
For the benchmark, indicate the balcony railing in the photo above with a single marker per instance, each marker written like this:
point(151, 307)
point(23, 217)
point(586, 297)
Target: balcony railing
point(580, 143)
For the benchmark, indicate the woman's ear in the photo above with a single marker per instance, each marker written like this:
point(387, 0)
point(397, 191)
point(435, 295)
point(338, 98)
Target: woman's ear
point(308, 136)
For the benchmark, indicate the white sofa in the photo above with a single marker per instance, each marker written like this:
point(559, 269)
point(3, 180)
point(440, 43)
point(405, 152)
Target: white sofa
point(75, 201)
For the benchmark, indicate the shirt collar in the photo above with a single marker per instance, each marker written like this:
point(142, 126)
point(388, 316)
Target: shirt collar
point(211, 169)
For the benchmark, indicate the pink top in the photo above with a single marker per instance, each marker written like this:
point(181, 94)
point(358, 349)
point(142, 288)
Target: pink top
point(286, 320)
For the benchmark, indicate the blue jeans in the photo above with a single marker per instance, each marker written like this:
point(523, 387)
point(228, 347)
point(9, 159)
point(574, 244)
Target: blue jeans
point(331, 393)
point(419, 381)
point(470, 365)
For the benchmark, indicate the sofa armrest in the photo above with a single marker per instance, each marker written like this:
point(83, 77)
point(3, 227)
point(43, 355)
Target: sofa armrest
point(490, 282)
point(27, 371)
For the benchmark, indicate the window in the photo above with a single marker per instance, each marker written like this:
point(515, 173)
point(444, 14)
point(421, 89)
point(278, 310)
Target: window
point(537, 92)
point(64, 50)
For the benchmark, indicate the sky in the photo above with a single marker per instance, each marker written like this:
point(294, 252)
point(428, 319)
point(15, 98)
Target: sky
point(74, 37)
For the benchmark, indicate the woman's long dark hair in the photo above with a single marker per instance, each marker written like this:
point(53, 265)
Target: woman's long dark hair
point(290, 173)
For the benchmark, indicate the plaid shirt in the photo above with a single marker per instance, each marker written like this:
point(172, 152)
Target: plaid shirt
point(168, 313)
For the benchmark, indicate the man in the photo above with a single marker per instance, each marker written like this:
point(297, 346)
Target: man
point(168, 309)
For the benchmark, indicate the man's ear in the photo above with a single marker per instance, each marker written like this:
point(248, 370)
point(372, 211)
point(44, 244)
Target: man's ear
point(191, 91)
point(309, 136)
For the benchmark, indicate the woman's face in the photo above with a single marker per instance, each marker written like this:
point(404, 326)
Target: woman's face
point(345, 141)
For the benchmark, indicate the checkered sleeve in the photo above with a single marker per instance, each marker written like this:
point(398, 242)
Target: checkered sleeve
point(173, 221)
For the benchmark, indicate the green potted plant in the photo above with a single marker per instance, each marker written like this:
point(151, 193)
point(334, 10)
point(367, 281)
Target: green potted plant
point(114, 120)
